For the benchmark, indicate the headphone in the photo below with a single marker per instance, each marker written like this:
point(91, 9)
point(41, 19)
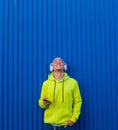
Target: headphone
point(51, 66)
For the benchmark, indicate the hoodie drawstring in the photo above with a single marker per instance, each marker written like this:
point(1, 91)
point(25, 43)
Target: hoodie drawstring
point(54, 90)
point(62, 91)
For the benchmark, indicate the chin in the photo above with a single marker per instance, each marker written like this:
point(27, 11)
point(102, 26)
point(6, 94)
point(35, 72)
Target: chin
point(60, 69)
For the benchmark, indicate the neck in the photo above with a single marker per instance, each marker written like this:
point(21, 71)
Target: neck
point(58, 75)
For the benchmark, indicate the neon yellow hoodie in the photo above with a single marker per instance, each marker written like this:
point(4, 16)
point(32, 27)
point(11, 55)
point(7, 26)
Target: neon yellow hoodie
point(65, 97)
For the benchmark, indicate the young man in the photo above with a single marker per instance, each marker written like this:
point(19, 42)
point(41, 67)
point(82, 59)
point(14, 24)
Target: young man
point(60, 97)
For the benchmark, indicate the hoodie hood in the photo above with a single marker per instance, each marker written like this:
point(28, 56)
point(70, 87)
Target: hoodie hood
point(51, 78)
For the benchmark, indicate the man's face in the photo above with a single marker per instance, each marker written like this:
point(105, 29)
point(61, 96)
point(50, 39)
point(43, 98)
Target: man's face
point(58, 64)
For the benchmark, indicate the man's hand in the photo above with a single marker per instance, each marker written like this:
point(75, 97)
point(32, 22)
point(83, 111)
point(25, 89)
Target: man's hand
point(46, 102)
point(69, 123)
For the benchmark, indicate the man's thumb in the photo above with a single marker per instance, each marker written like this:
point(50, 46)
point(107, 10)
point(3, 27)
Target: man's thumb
point(66, 125)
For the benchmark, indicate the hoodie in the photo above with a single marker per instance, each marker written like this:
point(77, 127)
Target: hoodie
point(65, 97)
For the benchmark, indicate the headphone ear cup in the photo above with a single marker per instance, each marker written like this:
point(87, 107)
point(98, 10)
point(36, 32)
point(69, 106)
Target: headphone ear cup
point(51, 68)
point(65, 67)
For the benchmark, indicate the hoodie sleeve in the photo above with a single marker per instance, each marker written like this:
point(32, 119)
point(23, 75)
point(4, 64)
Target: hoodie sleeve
point(77, 101)
point(42, 95)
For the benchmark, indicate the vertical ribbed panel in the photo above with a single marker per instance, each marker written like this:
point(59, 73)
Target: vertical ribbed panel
point(84, 33)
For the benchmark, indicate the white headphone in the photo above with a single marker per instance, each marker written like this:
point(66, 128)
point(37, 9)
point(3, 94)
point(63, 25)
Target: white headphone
point(51, 66)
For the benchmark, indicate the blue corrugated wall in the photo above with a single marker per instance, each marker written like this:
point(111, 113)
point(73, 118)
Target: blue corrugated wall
point(84, 33)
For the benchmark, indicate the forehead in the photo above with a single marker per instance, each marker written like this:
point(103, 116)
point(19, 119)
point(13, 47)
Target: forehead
point(57, 60)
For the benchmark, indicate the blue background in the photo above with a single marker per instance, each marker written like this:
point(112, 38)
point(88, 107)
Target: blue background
point(84, 33)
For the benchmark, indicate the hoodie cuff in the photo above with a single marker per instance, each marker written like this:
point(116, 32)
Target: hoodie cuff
point(73, 119)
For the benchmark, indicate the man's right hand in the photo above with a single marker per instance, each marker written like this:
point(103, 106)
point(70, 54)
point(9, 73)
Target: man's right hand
point(46, 102)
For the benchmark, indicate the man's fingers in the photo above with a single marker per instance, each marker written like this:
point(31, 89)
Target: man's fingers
point(66, 125)
point(46, 103)
point(69, 123)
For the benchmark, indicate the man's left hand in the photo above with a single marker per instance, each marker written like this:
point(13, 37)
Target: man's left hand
point(69, 123)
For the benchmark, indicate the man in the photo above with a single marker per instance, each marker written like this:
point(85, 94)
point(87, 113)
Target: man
point(60, 97)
